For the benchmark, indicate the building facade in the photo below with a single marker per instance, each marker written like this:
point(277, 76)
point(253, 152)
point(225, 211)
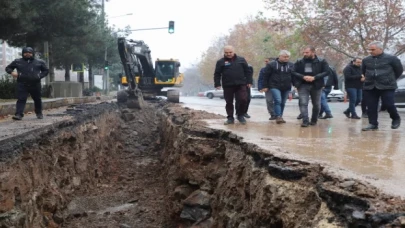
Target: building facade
point(7, 55)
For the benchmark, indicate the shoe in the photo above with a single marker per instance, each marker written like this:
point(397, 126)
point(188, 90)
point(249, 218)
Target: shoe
point(241, 119)
point(299, 117)
point(272, 118)
point(280, 120)
point(283, 121)
point(229, 121)
point(364, 115)
point(395, 123)
point(40, 116)
point(17, 117)
point(356, 117)
point(246, 115)
point(327, 116)
point(347, 113)
point(305, 124)
point(320, 115)
point(370, 127)
point(312, 123)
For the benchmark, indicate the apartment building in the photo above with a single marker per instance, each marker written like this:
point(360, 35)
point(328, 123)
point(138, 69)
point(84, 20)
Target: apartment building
point(7, 55)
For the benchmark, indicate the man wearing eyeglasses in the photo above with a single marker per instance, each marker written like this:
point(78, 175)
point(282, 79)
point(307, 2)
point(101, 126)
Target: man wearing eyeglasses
point(381, 71)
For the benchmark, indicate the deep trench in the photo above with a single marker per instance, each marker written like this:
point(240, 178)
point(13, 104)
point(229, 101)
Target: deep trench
point(110, 166)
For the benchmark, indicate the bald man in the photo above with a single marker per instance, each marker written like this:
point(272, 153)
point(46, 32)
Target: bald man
point(233, 74)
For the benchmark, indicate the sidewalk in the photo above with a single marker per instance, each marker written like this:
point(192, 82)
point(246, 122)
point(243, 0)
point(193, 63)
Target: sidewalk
point(8, 108)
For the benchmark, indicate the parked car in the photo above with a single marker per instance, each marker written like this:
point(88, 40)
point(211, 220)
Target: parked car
point(254, 93)
point(214, 93)
point(336, 95)
point(220, 93)
point(400, 92)
point(294, 94)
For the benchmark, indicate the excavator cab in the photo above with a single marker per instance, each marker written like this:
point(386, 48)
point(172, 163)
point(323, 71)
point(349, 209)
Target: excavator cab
point(167, 73)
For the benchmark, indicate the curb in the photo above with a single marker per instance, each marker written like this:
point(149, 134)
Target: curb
point(9, 107)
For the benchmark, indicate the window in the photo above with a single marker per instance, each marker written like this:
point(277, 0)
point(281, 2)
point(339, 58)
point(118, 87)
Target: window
point(165, 71)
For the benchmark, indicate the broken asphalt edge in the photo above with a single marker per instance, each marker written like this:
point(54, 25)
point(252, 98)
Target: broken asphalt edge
point(8, 108)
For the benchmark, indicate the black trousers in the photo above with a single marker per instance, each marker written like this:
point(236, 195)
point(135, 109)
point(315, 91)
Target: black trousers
point(249, 97)
point(23, 90)
point(240, 94)
point(387, 97)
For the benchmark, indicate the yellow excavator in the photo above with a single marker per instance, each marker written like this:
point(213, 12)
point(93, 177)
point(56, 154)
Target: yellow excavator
point(141, 79)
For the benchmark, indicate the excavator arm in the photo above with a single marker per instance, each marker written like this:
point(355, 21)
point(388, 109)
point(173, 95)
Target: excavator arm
point(140, 76)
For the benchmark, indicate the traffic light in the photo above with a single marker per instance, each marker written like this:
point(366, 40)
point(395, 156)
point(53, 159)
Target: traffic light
point(171, 27)
point(106, 65)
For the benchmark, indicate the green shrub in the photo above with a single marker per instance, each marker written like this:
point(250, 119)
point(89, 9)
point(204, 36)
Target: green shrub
point(8, 87)
point(87, 92)
point(95, 89)
point(46, 91)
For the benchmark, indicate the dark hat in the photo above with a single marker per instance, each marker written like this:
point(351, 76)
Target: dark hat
point(28, 49)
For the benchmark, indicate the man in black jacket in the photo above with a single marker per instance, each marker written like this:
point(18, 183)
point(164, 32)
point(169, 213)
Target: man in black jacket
point(330, 80)
point(277, 79)
point(309, 79)
point(381, 72)
point(354, 86)
point(249, 98)
point(29, 73)
point(234, 73)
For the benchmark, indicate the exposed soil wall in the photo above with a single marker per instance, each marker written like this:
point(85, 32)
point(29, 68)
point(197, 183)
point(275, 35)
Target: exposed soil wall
point(161, 167)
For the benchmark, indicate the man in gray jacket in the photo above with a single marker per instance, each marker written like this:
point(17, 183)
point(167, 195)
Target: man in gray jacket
point(381, 72)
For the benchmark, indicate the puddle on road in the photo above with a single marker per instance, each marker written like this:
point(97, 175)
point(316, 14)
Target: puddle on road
point(375, 155)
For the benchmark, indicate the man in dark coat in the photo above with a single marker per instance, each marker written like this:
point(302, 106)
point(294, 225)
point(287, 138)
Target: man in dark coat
point(269, 96)
point(330, 81)
point(278, 80)
point(309, 73)
point(233, 74)
point(29, 73)
point(249, 98)
point(381, 71)
point(354, 86)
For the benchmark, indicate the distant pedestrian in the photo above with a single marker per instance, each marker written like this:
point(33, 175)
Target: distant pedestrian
point(269, 96)
point(330, 81)
point(309, 75)
point(354, 81)
point(249, 97)
point(278, 80)
point(381, 71)
point(233, 73)
point(29, 73)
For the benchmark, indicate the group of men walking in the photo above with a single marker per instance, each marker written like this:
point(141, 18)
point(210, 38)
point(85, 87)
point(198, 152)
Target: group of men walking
point(313, 78)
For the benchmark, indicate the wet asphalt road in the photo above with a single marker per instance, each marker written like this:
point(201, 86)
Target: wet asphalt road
point(377, 157)
point(10, 128)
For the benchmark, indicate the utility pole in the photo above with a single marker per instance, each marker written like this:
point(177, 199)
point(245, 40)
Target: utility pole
point(105, 71)
point(46, 53)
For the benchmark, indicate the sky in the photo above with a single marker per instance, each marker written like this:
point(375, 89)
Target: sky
point(197, 23)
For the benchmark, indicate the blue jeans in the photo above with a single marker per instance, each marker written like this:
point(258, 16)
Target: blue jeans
point(355, 96)
point(304, 91)
point(279, 97)
point(324, 101)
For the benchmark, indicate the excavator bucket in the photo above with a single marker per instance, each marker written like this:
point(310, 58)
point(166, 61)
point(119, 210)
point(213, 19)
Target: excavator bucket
point(133, 99)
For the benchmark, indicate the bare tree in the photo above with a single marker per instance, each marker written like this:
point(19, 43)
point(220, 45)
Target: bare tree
point(347, 26)
point(255, 39)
